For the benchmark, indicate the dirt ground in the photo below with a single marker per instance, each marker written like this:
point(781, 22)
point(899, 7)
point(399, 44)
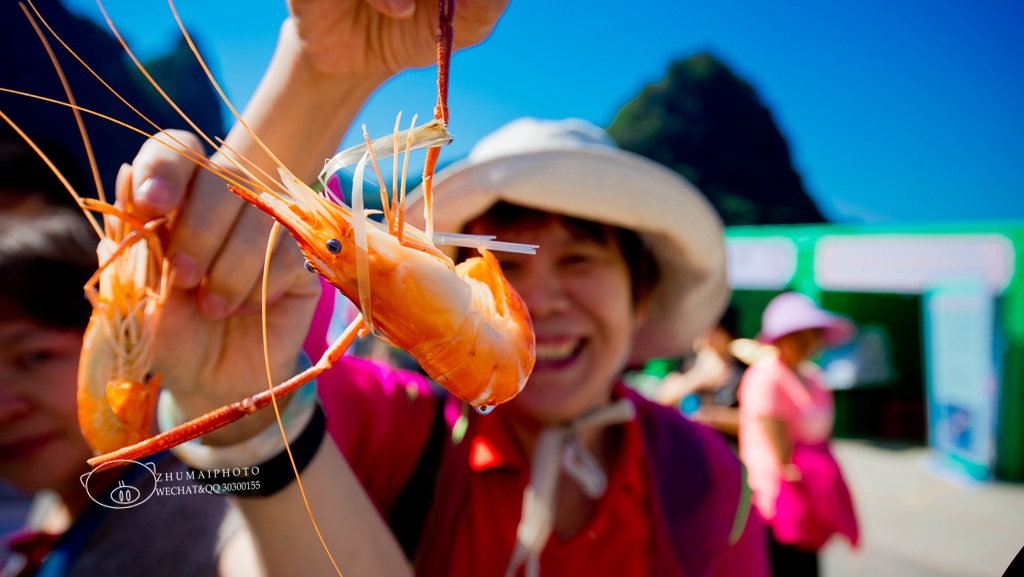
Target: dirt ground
point(916, 523)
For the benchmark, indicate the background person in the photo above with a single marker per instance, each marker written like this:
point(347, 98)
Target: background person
point(46, 256)
point(786, 417)
point(714, 378)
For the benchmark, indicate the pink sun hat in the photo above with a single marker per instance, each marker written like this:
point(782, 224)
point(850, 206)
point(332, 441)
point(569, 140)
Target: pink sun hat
point(791, 312)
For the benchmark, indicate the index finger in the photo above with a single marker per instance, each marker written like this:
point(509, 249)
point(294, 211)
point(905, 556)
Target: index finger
point(162, 172)
point(202, 227)
point(166, 177)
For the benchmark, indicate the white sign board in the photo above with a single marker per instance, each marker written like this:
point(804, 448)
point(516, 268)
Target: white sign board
point(766, 263)
point(905, 263)
point(961, 376)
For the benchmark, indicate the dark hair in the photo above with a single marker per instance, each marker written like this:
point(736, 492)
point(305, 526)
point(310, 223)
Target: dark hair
point(643, 267)
point(730, 321)
point(22, 171)
point(46, 257)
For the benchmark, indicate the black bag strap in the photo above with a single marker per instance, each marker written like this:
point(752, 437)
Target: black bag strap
point(1016, 568)
point(413, 504)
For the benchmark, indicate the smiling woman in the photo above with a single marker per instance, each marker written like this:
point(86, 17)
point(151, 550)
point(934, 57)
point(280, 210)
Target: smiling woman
point(577, 474)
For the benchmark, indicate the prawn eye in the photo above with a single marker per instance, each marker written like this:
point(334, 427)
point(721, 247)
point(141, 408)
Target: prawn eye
point(333, 245)
point(309, 266)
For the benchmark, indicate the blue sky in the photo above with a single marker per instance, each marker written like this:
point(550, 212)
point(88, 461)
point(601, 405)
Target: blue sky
point(895, 111)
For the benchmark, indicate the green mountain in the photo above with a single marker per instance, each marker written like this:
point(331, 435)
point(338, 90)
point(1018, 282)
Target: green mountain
point(709, 125)
point(26, 67)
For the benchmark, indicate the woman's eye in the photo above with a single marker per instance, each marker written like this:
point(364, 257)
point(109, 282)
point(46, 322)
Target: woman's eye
point(508, 265)
point(575, 259)
point(34, 359)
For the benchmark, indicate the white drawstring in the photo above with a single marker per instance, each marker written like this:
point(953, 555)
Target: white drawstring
point(560, 449)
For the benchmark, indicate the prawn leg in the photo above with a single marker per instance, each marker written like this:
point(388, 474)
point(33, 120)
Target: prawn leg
point(445, 36)
point(228, 414)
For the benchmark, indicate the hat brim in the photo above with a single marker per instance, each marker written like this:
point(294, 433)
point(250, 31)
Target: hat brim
point(613, 187)
point(836, 331)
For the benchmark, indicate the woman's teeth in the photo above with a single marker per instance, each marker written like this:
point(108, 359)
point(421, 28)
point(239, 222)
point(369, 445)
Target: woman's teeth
point(547, 352)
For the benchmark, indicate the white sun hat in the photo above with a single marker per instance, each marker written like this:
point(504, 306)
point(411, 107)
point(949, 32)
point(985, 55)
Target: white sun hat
point(573, 168)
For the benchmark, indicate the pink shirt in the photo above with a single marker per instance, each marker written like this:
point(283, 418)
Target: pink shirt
point(771, 389)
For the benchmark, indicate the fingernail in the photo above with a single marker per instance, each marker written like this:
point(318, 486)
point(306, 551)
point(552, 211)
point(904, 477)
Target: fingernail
point(401, 8)
point(155, 192)
point(186, 270)
point(122, 173)
point(213, 306)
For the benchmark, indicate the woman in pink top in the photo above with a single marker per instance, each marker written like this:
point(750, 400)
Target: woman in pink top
point(786, 417)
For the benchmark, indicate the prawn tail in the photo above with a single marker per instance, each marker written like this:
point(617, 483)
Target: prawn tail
point(120, 416)
point(485, 269)
point(498, 330)
point(133, 404)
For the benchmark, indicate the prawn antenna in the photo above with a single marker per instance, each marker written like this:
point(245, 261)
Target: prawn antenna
point(71, 99)
point(270, 380)
point(56, 171)
point(394, 170)
point(216, 85)
point(196, 156)
point(405, 170)
point(380, 180)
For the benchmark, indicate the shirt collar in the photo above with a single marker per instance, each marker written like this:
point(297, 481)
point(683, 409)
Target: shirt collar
point(495, 444)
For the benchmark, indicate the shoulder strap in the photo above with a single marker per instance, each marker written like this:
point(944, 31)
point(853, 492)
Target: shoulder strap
point(413, 504)
point(739, 522)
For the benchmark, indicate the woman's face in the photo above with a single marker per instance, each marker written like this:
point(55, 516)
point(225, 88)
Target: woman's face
point(798, 346)
point(40, 443)
point(579, 297)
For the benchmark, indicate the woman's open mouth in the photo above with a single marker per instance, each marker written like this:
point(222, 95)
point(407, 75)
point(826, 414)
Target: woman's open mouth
point(24, 448)
point(557, 354)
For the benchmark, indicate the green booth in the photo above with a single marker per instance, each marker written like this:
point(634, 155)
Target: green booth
point(940, 353)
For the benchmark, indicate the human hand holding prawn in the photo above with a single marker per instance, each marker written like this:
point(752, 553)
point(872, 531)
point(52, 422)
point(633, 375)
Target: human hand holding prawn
point(209, 348)
point(300, 112)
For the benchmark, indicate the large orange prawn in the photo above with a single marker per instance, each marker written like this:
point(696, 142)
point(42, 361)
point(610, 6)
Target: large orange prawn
point(464, 324)
point(117, 390)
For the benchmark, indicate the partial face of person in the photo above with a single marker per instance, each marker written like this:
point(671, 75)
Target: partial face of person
point(719, 340)
point(578, 293)
point(797, 347)
point(40, 442)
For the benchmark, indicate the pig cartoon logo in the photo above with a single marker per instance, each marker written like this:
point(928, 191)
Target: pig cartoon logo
point(125, 494)
point(136, 485)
